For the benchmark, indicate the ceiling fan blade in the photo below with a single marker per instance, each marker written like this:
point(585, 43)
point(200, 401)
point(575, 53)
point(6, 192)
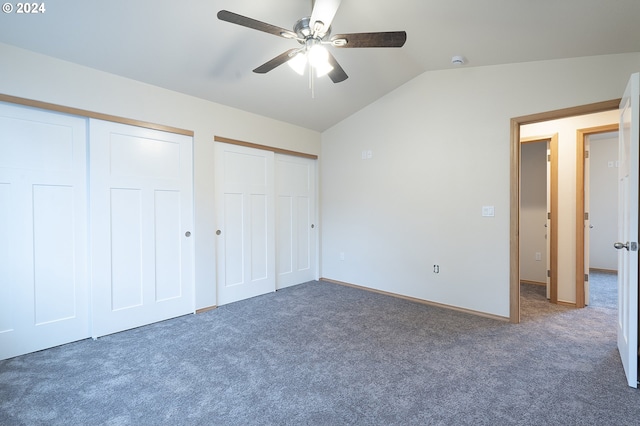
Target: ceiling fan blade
point(337, 74)
point(275, 62)
point(324, 11)
point(383, 39)
point(234, 18)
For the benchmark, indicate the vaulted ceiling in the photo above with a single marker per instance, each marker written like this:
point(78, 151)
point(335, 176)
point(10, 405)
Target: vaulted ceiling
point(182, 46)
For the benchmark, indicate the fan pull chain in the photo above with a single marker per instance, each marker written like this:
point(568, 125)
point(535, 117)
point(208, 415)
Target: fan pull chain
point(311, 82)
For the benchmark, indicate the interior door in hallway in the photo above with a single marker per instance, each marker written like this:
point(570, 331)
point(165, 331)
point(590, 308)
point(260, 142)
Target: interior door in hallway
point(548, 224)
point(245, 216)
point(586, 230)
point(627, 244)
point(43, 230)
point(141, 224)
point(295, 223)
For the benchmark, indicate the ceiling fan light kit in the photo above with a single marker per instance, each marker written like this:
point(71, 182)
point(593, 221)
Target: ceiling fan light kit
point(298, 62)
point(318, 57)
point(313, 33)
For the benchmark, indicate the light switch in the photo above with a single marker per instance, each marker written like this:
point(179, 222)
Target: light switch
point(488, 211)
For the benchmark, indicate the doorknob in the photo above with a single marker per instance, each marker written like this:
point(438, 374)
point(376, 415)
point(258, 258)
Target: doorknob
point(620, 246)
point(218, 232)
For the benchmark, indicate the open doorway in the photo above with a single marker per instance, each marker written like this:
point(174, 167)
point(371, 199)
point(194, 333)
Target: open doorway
point(516, 123)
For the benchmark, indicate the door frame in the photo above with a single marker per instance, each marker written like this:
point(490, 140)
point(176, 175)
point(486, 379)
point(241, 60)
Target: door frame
point(552, 140)
point(514, 204)
point(581, 136)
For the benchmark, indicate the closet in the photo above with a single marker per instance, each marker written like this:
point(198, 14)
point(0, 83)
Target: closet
point(265, 215)
point(95, 225)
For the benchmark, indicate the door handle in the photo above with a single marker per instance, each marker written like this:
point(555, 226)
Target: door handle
point(620, 246)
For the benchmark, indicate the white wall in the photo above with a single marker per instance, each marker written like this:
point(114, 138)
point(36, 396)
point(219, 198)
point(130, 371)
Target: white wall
point(533, 212)
point(567, 151)
point(440, 147)
point(603, 207)
point(34, 76)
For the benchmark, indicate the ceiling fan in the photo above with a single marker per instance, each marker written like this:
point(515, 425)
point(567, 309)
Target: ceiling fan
point(314, 33)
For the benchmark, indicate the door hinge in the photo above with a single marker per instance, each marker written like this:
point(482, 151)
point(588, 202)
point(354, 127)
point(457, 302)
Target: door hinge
point(548, 215)
point(586, 154)
point(549, 273)
point(548, 157)
point(586, 215)
point(586, 277)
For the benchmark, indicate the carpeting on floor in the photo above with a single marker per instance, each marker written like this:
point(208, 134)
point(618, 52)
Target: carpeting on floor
point(320, 353)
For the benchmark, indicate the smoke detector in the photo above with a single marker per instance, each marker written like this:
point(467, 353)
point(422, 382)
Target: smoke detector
point(458, 60)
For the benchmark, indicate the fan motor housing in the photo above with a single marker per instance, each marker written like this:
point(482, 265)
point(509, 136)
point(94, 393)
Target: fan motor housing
point(304, 31)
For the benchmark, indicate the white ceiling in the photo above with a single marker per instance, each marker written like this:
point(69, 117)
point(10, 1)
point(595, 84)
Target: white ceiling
point(182, 46)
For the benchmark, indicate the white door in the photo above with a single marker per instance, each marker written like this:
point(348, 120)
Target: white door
point(141, 222)
point(295, 223)
point(43, 230)
point(245, 241)
point(548, 224)
point(627, 244)
point(587, 218)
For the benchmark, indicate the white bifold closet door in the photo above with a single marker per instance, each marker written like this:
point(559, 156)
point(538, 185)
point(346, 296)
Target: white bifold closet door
point(43, 233)
point(141, 223)
point(245, 243)
point(295, 220)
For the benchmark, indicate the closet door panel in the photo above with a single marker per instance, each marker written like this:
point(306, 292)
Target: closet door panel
point(245, 243)
point(43, 230)
point(296, 220)
point(7, 260)
point(141, 222)
point(54, 253)
point(167, 245)
point(126, 248)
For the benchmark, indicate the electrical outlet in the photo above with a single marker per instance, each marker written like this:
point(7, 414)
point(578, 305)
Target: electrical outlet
point(436, 269)
point(341, 255)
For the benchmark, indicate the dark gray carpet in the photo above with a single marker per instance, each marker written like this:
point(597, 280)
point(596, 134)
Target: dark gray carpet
point(320, 353)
